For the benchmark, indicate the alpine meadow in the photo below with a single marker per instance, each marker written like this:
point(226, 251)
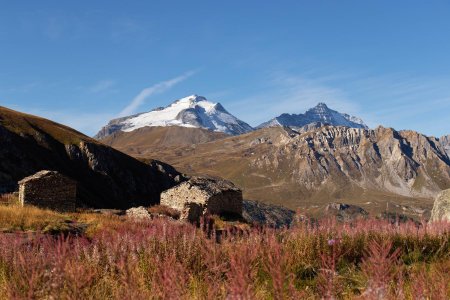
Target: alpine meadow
point(224, 150)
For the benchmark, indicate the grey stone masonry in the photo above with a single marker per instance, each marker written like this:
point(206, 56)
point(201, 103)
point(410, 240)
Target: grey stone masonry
point(48, 189)
point(441, 207)
point(200, 195)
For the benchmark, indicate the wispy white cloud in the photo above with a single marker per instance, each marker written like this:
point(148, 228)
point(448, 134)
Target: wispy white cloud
point(101, 86)
point(152, 90)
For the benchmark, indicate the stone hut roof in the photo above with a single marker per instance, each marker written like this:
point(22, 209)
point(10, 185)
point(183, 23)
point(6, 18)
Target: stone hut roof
point(210, 186)
point(42, 174)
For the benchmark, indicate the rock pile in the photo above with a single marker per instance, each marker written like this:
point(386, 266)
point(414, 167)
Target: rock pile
point(346, 212)
point(138, 213)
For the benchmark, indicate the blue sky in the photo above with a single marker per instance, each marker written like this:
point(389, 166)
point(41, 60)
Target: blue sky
point(85, 62)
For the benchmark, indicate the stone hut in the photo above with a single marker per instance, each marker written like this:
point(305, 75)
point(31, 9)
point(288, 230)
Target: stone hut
point(48, 189)
point(201, 196)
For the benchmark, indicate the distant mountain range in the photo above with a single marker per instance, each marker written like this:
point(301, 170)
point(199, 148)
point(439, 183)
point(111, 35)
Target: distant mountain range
point(192, 112)
point(198, 112)
point(295, 160)
point(319, 114)
point(287, 164)
point(315, 165)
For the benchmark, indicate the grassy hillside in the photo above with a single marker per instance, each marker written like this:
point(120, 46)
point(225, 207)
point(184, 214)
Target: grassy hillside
point(106, 178)
point(25, 124)
point(145, 140)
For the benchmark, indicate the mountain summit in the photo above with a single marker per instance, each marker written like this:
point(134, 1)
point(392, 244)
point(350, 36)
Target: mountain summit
point(318, 114)
point(193, 111)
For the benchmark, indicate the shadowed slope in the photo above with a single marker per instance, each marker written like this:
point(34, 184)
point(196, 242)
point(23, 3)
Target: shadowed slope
point(106, 177)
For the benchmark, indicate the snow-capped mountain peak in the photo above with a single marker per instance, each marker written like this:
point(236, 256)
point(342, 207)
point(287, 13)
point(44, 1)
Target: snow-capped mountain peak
point(320, 113)
point(192, 111)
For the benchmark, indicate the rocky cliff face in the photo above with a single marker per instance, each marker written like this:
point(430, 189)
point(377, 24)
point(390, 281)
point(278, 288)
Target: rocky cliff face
point(405, 163)
point(441, 207)
point(445, 141)
point(106, 177)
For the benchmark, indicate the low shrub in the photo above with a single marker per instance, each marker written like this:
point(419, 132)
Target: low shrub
point(162, 259)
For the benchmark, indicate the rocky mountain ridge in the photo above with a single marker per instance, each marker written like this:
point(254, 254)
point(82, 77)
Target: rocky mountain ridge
point(318, 114)
point(289, 167)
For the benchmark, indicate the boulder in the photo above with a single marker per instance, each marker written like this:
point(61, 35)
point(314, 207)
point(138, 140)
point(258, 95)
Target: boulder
point(204, 196)
point(138, 213)
point(255, 212)
point(441, 207)
point(346, 212)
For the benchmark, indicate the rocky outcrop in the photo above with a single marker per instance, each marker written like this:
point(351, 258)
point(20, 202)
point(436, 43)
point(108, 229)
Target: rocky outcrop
point(106, 177)
point(445, 141)
point(138, 213)
point(204, 196)
point(264, 214)
point(346, 212)
point(404, 162)
point(441, 207)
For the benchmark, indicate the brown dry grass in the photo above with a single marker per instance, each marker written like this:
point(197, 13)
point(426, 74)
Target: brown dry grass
point(29, 218)
point(99, 222)
point(9, 199)
point(22, 123)
point(164, 210)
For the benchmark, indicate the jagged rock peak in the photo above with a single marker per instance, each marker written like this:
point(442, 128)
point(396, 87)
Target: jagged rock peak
point(321, 113)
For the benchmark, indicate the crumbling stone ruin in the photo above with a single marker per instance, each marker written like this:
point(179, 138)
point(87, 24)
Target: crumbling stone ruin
point(204, 196)
point(48, 189)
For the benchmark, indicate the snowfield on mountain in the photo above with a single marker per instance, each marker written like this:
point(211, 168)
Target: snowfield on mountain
point(318, 114)
point(192, 111)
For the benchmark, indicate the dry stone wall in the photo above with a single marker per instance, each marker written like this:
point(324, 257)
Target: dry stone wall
point(199, 196)
point(48, 189)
